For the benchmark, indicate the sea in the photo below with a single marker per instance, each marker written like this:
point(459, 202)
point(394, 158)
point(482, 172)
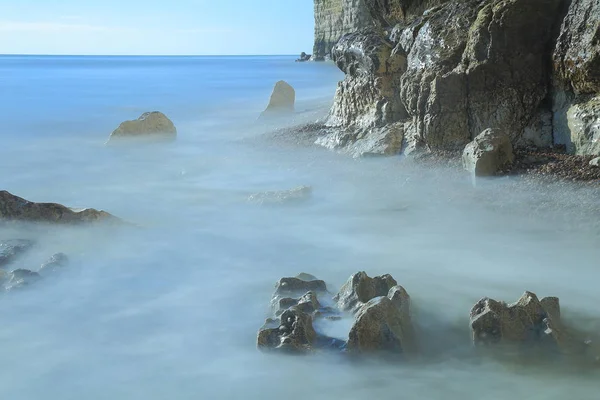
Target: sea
point(169, 306)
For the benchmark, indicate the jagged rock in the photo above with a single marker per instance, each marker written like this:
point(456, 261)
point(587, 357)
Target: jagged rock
point(153, 125)
point(577, 54)
point(294, 286)
point(388, 13)
point(583, 120)
point(20, 278)
point(382, 141)
point(595, 162)
point(526, 321)
point(488, 153)
point(295, 333)
point(303, 57)
point(383, 324)
point(14, 208)
point(308, 303)
point(11, 249)
point(360, 288)
point(282, 99)
point(55, 263)
point(299, 193)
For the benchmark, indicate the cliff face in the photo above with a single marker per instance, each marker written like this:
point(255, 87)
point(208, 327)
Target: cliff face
point(335, 18)
point(433, 74)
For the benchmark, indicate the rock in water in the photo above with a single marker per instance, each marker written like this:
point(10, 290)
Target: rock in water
point(303, 57)
point(360, 288)
point(153, 125)
point(299, 193)
point(488, 153)
point(526, 321)
point(20, 278)
point(14, 208)
point(295, 333)
point(383, 324)
point(54, 263)
point(11, 249)
point(282, 99)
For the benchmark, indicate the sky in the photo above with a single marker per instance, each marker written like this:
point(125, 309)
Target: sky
point(153, 27)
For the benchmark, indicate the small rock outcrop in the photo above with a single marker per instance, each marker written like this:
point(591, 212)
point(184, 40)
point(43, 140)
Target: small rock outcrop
point(488, 153)
point(14, 208)
point(11, 249)
point(20, 278)
point(300, 193)
point(55, 263)
point(384, 324)
point(282, 100)
point(360, 288)
point(153, 125)
point(294, 333)
point(303, 57)
point(529, 320)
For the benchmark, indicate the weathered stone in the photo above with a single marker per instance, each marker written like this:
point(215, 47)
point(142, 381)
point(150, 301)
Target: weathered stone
point(282, 99)
point(335, 18)
point(14, 208)
point(55, 263)
point(526, 321)
point(300, 193)
point(388, 13)
point(382, 141)
point(487, 153)
point(584, 125)
point(303, 57)
point(12, 249)
point(153, 125)
point(577, 54)
point(295, 286)
point(306, 277)
point(295, 333)
point(360, 288)
point(308, 303)
point(381, 326)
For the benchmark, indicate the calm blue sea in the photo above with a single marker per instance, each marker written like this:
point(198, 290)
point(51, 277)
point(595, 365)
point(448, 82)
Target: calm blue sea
point(170, 309)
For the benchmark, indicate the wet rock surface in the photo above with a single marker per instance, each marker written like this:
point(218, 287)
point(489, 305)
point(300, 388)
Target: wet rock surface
point(11, 249)
point(21, 278)
point(152, 125)
point(297, 194)
point(14, 208)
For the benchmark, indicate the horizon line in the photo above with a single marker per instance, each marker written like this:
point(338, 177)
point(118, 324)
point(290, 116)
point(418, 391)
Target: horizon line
point(144, 55)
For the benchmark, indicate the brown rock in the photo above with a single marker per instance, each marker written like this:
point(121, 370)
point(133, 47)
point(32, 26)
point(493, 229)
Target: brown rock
point(360, 288)
point(294, 334)
point(488, 153)
point(14, 208)
point(153, 125)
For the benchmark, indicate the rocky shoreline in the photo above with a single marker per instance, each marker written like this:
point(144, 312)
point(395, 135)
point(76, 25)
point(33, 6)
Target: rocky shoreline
point(384, 325)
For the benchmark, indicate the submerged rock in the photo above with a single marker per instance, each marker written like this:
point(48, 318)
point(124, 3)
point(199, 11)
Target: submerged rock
point(299, 193)
point(383, 324)
point(10, 250)
point(55, 263)
point(153, 125)
point(14, 208)
point(488, 153)
point(360, 288)
point(20, 278)
point(282, 99)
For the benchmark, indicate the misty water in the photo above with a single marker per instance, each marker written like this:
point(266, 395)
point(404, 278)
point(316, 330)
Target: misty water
point(171, 308)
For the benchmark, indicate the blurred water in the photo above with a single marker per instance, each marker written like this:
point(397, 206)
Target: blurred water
point(171, 310)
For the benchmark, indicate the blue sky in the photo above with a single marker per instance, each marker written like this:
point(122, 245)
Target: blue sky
point(156, 27)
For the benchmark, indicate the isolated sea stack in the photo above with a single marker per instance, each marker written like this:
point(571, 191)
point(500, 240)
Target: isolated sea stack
point(151, 125)
point(282, 100)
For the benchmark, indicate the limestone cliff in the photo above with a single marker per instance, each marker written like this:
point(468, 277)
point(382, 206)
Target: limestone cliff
point(434, 74)
point(335, 18)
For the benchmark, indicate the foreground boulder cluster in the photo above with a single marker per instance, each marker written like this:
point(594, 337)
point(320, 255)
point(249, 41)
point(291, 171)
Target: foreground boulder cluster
point(384, 325)
point(435, 75)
